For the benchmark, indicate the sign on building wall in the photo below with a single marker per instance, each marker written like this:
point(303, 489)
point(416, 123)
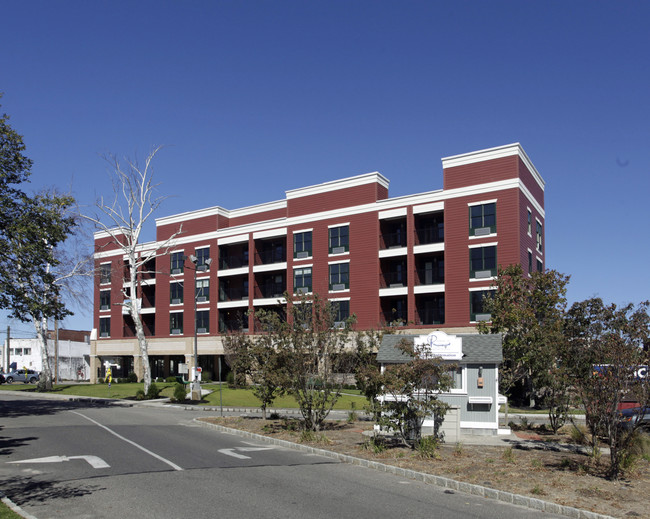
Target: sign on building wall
point(439, 344)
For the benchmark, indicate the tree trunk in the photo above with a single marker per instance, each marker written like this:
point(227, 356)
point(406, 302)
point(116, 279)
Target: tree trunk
point(45, 379)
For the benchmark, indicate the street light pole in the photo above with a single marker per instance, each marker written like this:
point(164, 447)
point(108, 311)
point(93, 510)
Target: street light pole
point(196, 384)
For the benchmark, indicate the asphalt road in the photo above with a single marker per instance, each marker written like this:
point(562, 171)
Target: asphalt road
point(74, 460)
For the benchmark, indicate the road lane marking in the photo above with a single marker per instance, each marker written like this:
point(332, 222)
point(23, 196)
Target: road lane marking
point(231, 452)
point(143, 449)
point(94, 461)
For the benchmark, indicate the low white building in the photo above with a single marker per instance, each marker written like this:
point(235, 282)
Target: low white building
point(72, 361)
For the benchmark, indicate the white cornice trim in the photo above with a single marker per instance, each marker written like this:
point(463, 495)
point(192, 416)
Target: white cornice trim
point(507, 150)
point(334, 185)
point(220, 211)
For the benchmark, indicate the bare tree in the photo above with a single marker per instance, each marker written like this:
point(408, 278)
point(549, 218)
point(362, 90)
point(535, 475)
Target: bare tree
point(123, 219)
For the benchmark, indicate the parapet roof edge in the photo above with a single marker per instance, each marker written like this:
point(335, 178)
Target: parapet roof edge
point(220, 211)
point(333, 185)
point(506, 150)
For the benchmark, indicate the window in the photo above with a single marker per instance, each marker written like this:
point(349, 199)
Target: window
point(302, 244)
point(339, 239)
point(476, 305)
point(483, 262)
point(27, 351)
point(104, 326)
point(105, 273)
point(539, 237)
point(176, 293)
point(302, 280)
point(340, 276)
point(342, 309)
point(202, 290)
point(530, 223)
point(203, 321)
point(177, 261)
point(202, 257)
point(18, 351)
point(540, 267)
point(176, 323)
point(105, 300)
point(457, 377)
point(483, 219)
point(530, 262)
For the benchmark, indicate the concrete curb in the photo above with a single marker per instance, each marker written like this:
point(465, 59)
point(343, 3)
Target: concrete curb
point(14, 507)
point(431, 479)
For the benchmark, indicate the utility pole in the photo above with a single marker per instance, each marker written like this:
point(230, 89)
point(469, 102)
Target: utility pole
point(8, 344)
point(56, 351)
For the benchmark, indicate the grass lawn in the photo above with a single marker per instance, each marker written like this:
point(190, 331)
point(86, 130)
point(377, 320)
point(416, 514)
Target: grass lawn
point(8, 513)
point(231, 397)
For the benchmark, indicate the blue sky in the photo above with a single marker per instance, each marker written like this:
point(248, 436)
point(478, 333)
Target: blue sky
point(253, 98)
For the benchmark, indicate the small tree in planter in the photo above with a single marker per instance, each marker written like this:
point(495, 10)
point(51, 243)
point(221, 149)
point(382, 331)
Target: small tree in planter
point(410, 394)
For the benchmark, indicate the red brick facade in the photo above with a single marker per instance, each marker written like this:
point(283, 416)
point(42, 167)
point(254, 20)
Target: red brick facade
point(408, 258)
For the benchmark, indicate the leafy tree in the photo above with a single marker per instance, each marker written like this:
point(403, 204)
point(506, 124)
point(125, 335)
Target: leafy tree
point(123, 218)
point(604, 353)
point(33, 272)
point(235, 348)
point(410, 394)
point(528, 311)
point(311, 351)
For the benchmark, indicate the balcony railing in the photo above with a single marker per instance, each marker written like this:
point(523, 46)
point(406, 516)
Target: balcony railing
point(429, 276)
point(392, 279)
point(232, 262)
point(269, 290)
point(267, 257)
point(430, 234)
point(390, 240)
point(233, 294)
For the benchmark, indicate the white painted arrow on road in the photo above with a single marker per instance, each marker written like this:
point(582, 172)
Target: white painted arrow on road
point(231, 452)
point(94, 461)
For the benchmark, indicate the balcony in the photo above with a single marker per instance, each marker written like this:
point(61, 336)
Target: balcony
point(233, 293)
point(393, 233)
point(429, 228)
point(393, 279)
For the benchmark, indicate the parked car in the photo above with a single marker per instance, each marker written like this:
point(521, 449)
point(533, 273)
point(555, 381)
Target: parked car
point(635, 415)
point(18, 375)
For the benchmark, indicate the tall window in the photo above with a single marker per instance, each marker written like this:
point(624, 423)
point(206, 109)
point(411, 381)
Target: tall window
point(202, 255)
point(339, 276)
point(105, 300)
point(104, 326)
point(539, 237)
point(483, 219)
point(176, 293)
point(530, 223)
point(176, 262)
point(176, 323)
point(105, 273)
point(339, 239)
point(342, 309)
point(302, 244)
point(477, 305)
point(202, 290)
point(203, 321)
point(540, 267)
point(302, 280)
point(483, 262)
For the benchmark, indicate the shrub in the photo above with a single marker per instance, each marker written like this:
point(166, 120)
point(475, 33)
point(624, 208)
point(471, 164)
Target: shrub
point(100, 380)
point(180, 393)
point(139, 394)
point(375, 444)
point(171, 379)
point(230, 379)
point(132, 377)
point(578, 434)
point(153, 392)
point(352, 415)
point(427, 447)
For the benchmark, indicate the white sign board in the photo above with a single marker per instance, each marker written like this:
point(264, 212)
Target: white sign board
point(439, 344)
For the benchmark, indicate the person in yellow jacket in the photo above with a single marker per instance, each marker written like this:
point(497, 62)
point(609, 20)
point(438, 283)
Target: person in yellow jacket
point(109, 376)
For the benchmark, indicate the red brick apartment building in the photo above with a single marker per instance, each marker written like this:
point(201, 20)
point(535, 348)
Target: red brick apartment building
point(425, 259)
